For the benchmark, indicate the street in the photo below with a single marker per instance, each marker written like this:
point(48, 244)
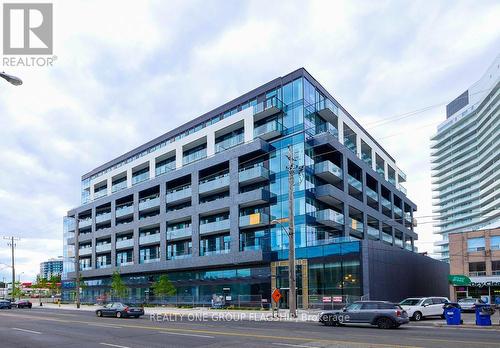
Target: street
point(44, 327)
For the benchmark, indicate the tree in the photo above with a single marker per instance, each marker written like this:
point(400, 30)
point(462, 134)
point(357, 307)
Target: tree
point(118, 287)
point(16, 290)
point(163, 286)
point(54, 283)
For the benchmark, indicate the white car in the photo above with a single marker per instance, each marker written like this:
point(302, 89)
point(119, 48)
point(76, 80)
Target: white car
point(420, 307)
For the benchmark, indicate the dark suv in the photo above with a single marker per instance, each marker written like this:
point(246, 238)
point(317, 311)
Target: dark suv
point(385, 315)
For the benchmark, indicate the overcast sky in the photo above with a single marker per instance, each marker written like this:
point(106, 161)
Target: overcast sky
point(128, 71)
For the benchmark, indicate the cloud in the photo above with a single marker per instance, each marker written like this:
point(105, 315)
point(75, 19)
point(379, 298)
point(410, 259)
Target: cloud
point(130, 71)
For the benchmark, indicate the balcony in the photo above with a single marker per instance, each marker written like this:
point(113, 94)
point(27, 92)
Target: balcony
point(267, 108)
point(165, 168)
point(372, 194)
point(157, 259)
point(355, 226)
point(124, 210)
point(215, 252)
point(229, 143)
point(355, 183)
point(103, 217)
point(126, 263)
point(179, 195)
point(179, 233)
point(386, 203)
point(125, 243)
point(328, 111)
point(398, 212)
point(194, 156)
point(150, 238)
point(329, 217)
point(372, 231)
point(99, 248)
point(138, 178)
point(101, 193)
point(254, 174)
point(254, 197)
point(106, 265)
point(268, 130)
point(85, 223)
point(85, 251)
point(149, 203)
point(328, 171)
point(254, 220)
point(214, 227)
point(214, 184)
point(119, 186)
point(85, 268)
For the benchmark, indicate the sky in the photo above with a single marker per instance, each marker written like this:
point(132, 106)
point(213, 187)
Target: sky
point(129, 71)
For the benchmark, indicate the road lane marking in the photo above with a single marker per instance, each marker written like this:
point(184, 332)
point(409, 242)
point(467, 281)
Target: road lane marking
point(185, 334)
point(113, 345)
point(291, 345)
point(106, 325)
point(24, 330)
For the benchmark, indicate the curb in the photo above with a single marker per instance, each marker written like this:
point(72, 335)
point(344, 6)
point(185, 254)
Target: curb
point(469, 326)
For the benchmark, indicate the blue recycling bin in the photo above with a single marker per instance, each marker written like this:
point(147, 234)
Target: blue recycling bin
point(452, 313)
point(483, 314)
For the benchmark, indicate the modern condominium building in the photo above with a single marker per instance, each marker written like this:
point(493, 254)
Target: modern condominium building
point(51, 267)
point(198, 203)
point(465, 161)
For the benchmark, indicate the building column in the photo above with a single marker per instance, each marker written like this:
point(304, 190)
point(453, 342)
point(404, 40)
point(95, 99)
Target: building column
point(248, 126)
point(210, 143)
point(129, 177)
point(152, 168)
point(234, 209)
point(195, 218)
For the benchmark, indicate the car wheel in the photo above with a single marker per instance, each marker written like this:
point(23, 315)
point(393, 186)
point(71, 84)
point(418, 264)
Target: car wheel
point(417, 316)
point(118, 314)
point(385, 323)
point(98, 313)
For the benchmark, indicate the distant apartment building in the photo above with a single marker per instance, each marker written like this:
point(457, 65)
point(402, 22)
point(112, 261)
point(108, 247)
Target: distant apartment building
point(52, 267)
point(476, 255)
point(200, 201)
point(465, 161)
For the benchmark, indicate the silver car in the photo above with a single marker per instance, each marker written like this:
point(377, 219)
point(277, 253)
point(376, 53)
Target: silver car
point(469, 304)
point(385, 315)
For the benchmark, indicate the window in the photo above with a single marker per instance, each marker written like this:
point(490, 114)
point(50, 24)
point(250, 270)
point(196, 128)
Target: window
point(437, 300)
point(495, 267)
point(475, 244)
point(495, 243)
point(427, 302)
point(354, 307)
point(370, 305)
point(477, 268)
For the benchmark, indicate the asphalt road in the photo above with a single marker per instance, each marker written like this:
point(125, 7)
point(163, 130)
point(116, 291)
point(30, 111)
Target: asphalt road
point(43, 327)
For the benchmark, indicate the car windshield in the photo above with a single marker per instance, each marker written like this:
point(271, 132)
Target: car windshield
point(410, 302)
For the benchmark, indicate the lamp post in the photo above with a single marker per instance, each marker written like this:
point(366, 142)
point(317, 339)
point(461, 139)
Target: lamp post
point(16, 81)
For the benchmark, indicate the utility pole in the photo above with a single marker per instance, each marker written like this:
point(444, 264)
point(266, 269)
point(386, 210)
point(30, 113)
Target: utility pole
point(12, 245)
point(291, 235)
point(77, 262)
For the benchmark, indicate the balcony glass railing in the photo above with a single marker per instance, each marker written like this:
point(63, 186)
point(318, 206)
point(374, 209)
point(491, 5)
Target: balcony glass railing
point(149, 238)
point(229, 142)
point(327, 104)
point(150, 260)
point(328, 216)
point(100, 193)
point(125, 263)
point(270, 128)
point(327, 128)
point(372, 194)
point(398, 212)
point(355, 183)
point(386, 203)
point(103, 217)
point(272, 103)
point(85, 267)
point(150, 202)
point(195, 156)
point(214, 252)
point(179, 233)
point(105, 265)
point(85, 222)
point(356, 225)
point(165, 168)
point(254, 220)
point(253, 173)
point(102, 247)
point(216, 226)
point(386, 237)
point(124, 243)
point(124, 210)
point(119, 186)
point(214, 183)
point(85, 251)
point(179, 256)
point(372, 231)
point(178, 193)
point(328, 168)
point(140, 178)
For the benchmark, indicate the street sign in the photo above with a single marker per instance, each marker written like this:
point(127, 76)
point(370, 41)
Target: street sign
point(327, 299)
point(276, 295)
point(459, 279)
point(337, 298)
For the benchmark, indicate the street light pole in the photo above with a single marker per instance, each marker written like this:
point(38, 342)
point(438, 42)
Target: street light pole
point(291, 235)
point(12, 245)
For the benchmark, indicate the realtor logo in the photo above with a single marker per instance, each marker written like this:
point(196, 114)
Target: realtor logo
point(27, 29)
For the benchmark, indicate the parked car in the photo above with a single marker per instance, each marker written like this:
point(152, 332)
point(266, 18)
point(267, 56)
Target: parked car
point(469, 304)
point(5, 304)
point(385, 315)
point(119, 310)
point(22, 304)
point(421, 307)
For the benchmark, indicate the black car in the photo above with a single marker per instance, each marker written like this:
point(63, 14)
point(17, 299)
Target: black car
point(5, 304)
point(22, 304)
point(119, 310)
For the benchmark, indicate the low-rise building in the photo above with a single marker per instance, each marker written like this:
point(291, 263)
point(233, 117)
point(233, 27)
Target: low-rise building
point(476, 256)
